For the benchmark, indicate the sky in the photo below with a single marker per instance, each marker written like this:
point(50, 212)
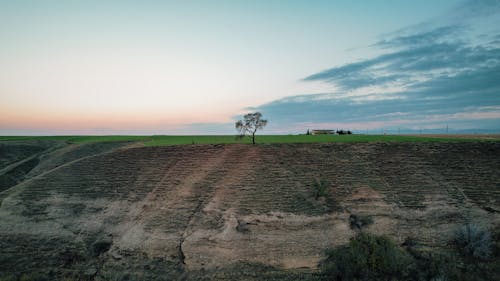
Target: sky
point(195, 67)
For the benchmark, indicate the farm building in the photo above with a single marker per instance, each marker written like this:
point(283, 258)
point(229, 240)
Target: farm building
point(322, 132)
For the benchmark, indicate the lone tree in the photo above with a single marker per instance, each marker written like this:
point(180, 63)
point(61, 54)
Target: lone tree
point(250, 124)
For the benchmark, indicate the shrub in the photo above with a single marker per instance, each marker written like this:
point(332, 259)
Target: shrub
point(101, 246)
point(367, 257)
point(358, 222)
point(320, 188)
point(473, 241)
point(434, 265)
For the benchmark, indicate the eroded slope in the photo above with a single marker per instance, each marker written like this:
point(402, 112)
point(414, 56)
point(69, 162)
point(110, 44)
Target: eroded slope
point(168, 211)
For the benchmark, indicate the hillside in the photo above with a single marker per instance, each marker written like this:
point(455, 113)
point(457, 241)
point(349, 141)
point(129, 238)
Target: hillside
point(119, 210)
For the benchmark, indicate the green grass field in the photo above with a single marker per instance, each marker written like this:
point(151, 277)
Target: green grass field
point(225, 139)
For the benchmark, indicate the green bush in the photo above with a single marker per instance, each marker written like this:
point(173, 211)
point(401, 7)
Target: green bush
point(434, 265)
point(473, 242)
point(367, 257)
point(320, 188)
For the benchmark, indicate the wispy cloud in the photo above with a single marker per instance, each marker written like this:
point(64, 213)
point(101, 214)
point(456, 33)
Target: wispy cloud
point(473, 9)
point(428, 75)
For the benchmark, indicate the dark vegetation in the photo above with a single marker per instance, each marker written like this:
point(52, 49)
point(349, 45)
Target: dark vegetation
point(343, 132)
point(101, 246)
point(358, 222)
point(320, 188)
point(368, 257)
point(365, 257)
point(473, 242)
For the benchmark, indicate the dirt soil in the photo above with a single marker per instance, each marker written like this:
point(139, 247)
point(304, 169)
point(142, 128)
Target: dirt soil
point(171, 211)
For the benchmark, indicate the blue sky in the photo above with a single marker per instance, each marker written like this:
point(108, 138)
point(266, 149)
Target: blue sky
point(194, 67)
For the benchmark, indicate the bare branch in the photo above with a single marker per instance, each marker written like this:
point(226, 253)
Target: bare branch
point(250, 124)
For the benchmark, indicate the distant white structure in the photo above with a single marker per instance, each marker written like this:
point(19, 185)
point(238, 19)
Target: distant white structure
point(322, 132)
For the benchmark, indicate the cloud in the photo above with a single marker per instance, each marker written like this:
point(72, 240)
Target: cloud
point(420, 39)
point(472, 9)
point(428, 75)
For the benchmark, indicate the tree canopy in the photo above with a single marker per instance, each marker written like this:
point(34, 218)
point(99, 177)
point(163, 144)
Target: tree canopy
point(250, 124)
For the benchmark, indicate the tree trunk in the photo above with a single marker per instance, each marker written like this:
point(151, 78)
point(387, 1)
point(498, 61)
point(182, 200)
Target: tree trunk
point(253, 138)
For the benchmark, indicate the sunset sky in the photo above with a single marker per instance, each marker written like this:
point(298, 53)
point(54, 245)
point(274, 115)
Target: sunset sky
point(194, 67)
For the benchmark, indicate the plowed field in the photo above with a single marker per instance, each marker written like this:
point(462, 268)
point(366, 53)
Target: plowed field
point(199, 210)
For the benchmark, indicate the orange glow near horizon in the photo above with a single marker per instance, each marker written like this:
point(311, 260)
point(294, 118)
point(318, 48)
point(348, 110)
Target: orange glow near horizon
point(31, 118)
point(176, 67)
point(122, 93)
